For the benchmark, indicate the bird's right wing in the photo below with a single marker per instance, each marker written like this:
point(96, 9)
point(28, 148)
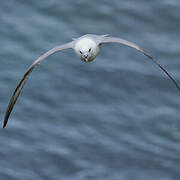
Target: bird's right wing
point(26, 75)
point(105, 39)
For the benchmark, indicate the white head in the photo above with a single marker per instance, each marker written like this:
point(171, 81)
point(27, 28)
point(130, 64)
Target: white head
point(86, 48)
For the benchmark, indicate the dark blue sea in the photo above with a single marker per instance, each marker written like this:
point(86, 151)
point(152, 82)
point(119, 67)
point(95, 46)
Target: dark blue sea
point(116, 118)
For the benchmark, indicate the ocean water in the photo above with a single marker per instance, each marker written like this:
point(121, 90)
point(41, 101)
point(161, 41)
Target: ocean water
point(117, 118)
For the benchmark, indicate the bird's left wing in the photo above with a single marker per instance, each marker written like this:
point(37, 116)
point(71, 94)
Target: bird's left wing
point(130, 44)
point(26, 75)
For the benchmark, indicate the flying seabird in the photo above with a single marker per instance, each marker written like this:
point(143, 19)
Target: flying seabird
point(87, 47)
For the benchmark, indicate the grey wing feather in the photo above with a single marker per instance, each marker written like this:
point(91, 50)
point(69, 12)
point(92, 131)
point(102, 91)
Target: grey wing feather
point(26, 75)
point(130, 44)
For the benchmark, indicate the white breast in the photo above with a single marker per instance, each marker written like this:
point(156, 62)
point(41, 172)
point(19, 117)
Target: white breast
point(84, 44)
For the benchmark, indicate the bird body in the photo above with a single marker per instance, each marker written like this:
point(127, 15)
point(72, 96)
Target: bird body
point(87, 47)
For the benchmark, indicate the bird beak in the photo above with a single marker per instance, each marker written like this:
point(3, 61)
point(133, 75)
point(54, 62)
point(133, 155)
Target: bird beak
point(86, 59)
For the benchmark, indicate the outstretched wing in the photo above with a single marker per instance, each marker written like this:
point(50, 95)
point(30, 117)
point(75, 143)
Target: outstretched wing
point(130, 44)
point(26, 75)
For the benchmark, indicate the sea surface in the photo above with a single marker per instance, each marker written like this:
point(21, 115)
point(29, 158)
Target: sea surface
point(116, 118)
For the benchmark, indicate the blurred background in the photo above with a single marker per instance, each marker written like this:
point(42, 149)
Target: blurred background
point(116, 118)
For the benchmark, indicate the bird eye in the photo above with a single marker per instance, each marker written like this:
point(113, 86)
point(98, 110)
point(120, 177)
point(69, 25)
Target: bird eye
point(80, 52)
point(89, 49)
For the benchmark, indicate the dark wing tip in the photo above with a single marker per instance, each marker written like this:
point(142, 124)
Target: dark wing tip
point(6, 117)
point(5, 121)
point(4, 125)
